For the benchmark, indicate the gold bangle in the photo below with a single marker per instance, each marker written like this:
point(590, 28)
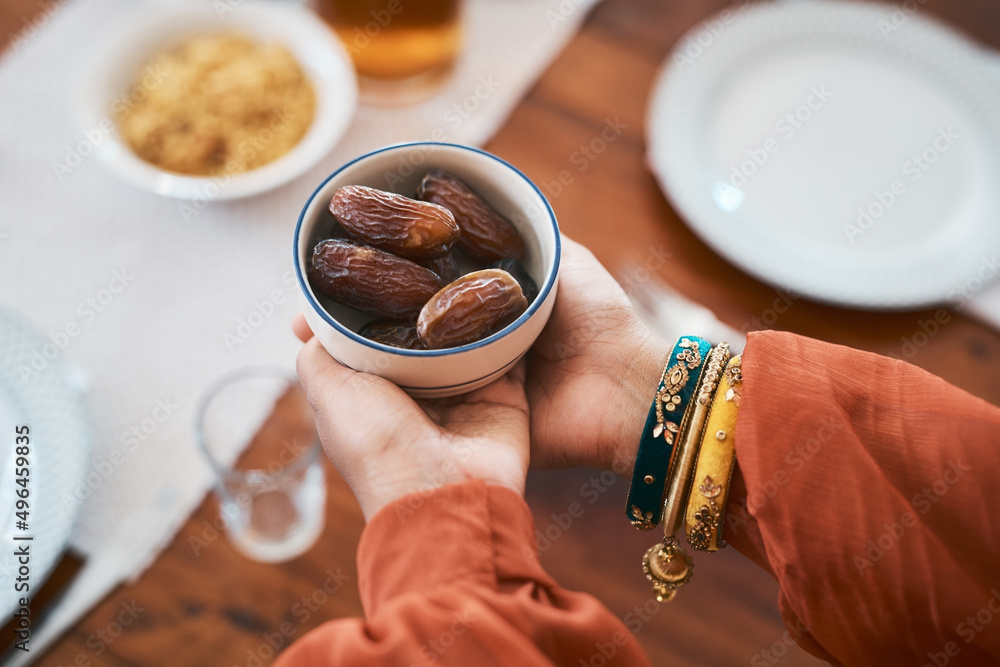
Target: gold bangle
point(682, 468)
point(707, 503)
point(666, 565)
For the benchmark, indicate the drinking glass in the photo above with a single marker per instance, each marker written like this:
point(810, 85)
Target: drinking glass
point(258, 432)
point(402, 49)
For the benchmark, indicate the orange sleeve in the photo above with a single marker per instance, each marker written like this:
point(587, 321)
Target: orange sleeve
point(452, 577)
point(869, 490)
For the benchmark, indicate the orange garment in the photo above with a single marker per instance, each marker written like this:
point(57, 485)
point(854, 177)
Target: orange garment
point(873, 499)
point(870, 499)
point(453, 578)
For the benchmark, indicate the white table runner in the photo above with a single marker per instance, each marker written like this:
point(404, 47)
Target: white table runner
point(162, 300)
point(159, 301)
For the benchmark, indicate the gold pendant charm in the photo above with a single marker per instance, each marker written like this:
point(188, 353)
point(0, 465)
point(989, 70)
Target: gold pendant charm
point(668, 567)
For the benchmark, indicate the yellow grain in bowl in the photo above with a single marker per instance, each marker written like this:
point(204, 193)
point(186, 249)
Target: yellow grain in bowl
point(218, 104)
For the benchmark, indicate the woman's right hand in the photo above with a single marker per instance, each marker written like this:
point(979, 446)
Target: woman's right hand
point(592, 373)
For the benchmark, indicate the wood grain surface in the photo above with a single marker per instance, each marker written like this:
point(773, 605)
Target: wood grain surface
point(207, 605)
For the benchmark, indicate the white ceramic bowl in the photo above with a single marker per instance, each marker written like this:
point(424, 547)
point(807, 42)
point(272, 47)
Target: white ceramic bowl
point(434, 373)
point(113, 69)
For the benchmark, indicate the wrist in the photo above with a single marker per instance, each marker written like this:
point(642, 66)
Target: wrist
point(643, 366)
point(390, 480)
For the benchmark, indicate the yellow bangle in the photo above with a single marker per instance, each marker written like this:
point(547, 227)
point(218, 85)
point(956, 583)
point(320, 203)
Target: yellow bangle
point(666, 565)
point(707, 503)
point(681, 468)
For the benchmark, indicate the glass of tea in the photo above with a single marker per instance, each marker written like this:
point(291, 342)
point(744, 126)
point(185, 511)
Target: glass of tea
point(257, 431)
point(402, 49)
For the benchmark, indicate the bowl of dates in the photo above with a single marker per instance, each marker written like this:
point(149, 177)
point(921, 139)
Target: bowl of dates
point(432, 265)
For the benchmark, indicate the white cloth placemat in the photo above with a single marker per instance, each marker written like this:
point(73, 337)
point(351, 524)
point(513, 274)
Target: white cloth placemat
point(155, 299)
point(983, 297)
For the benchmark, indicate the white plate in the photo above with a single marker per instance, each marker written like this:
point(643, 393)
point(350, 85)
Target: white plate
point(59, 454)
point(868, 87)
point(130, 43)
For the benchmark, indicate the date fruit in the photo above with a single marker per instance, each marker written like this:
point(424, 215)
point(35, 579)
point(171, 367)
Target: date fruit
point(394, 223)
point(375, 282)
point(394, 334)
point(471, 308)
point(521, 275)
point(446, 267)
point(486, 235)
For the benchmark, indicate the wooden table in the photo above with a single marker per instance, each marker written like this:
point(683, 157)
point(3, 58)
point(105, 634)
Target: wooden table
point(211, 606)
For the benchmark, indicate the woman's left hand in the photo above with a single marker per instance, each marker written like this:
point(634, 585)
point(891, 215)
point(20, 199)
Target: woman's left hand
point(387, 445)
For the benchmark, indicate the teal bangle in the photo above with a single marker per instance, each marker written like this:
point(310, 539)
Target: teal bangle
point(664, 427)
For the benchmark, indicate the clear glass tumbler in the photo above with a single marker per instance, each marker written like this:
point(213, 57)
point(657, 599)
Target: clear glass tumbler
point(402, 50)
point(258, 432)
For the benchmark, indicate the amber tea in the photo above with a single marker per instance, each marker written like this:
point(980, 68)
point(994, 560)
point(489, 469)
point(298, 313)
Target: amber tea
point(396, 39)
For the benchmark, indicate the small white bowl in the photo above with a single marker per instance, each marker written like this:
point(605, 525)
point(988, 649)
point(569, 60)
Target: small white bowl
point(434, 373)
point(113, 69)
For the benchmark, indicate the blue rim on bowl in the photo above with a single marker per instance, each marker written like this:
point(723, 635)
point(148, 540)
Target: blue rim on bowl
point(550, 276)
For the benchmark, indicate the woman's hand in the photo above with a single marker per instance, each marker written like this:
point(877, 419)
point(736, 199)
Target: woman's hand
point(386, 445)
point(591, 377)
point(592, 373)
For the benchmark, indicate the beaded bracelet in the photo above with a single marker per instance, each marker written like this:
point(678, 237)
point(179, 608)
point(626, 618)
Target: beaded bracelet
point(666, 565)
point(706, 508)
point(665, 424)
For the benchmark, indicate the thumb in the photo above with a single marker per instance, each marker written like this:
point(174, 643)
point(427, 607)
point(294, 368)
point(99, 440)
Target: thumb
point(356, 413)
